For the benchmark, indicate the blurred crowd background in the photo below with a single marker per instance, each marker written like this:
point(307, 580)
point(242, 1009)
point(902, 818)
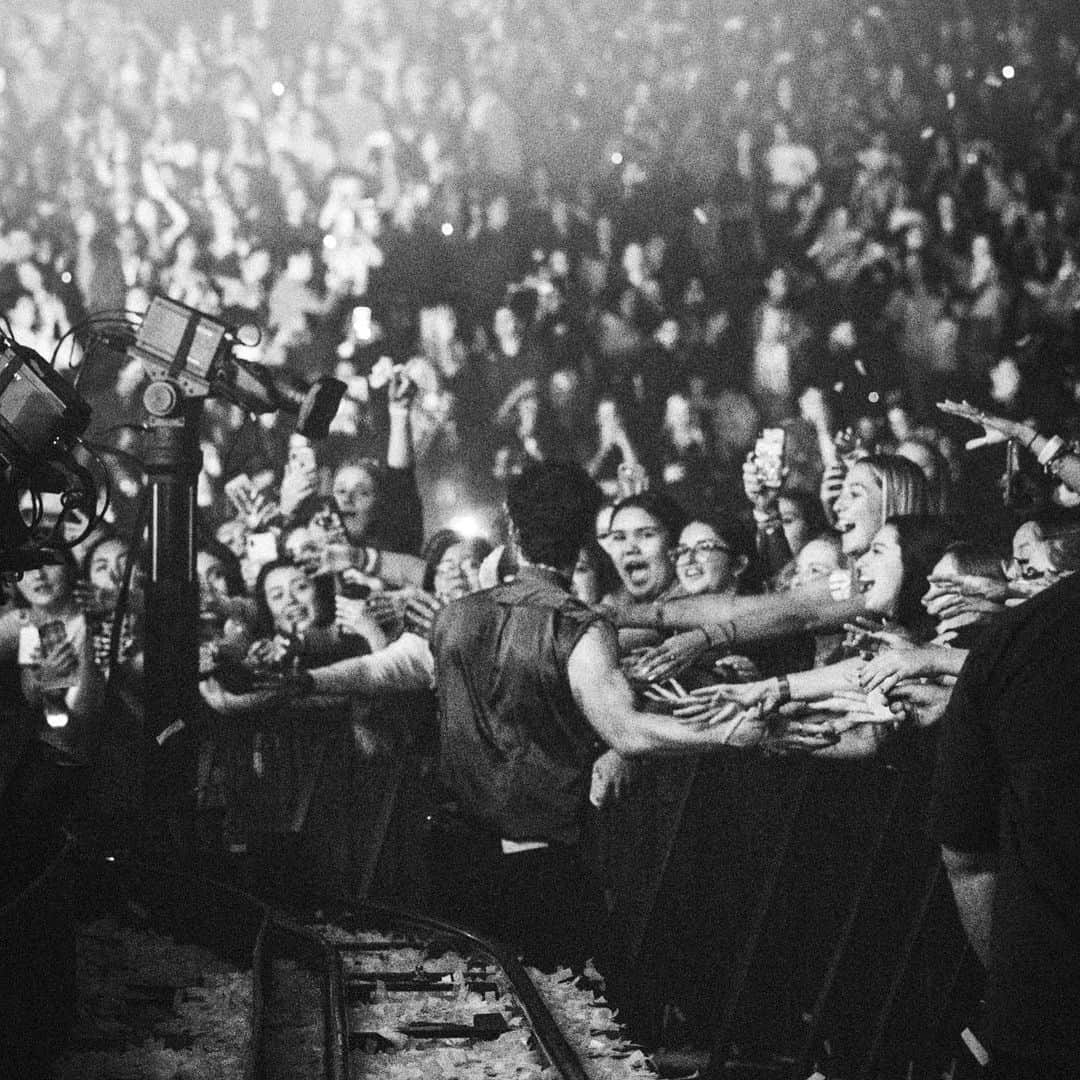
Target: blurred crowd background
point(619, 230)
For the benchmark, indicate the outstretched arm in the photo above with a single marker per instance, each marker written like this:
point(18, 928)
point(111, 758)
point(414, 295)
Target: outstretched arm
point(606, 699)
point(749, 618)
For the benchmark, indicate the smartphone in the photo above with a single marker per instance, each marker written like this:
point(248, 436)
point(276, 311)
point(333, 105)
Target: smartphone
point(52, 635)
point(262, 547)
point(769, 456)
point(354, 590)
point(361, 323)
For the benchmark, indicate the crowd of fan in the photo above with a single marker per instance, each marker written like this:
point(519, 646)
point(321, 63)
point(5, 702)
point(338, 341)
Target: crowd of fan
point(517, 232)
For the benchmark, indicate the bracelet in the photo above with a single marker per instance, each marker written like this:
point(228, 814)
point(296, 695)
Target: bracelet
point(783, 686)
point(1054, 447)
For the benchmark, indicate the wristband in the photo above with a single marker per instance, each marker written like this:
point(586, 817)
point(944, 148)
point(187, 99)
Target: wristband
point(1054, 447)
point(783, 687)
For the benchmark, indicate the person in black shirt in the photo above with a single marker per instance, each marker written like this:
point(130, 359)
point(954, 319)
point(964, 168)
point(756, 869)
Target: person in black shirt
point(530, 691)
point(1006, 810)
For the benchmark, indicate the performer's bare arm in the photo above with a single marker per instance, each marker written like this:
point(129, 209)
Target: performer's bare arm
point(607, 700)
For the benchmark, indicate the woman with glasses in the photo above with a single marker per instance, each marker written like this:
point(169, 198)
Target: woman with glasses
point(717, 556)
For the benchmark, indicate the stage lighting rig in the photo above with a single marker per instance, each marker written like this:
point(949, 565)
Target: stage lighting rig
point(190, 355)
point(42, 418)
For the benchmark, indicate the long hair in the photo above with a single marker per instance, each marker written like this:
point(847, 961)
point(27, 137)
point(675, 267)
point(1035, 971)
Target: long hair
point(324, 598)
point(439, 543)
point(903, 485)
point(923, 540)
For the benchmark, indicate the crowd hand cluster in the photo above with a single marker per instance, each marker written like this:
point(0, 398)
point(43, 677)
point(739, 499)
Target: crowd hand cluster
point(919, 702)
point(885, 671)
point(952, 600)
point(654, 664)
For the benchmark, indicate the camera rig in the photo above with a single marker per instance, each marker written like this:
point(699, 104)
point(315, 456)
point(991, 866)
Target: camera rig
point(188, 357)
point(42, 419)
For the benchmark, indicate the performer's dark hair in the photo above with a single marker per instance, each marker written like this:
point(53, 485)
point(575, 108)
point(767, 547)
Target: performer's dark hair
point(553, 507)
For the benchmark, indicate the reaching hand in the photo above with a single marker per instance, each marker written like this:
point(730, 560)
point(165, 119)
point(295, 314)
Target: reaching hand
point(612, 776)
point(948, 606)
point(737, 669)
point(803, 735)
point(973, 585)
point(420, 611)
point(922, 704)
point(762, 498)
point(996, 429)
point(885, 670)
point(867, 635)
point(668, 658)
point(60, 668)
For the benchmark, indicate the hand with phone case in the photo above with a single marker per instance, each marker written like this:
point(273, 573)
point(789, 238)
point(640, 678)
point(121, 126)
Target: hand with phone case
point(59, 664)
point(769, 457)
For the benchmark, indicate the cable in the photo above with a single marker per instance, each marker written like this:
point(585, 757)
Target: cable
point(117, 317)
point(123, 321)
